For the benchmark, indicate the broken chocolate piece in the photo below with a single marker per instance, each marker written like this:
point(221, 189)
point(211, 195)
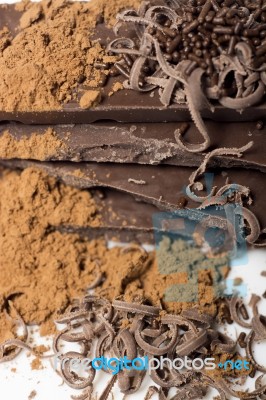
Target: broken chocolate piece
point(130, 143)
point(165, 186)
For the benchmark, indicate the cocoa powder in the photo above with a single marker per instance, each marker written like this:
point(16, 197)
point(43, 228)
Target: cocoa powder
point(40, 146)
point(41, 269)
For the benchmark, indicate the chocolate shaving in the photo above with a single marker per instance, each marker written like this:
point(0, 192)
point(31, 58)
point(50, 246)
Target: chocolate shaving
point(235, 304)
point(71, 378)
point(241, 395)
point(133, 386)
point(129, 347)
point(137, 329)
point(257, 321)
point(196, 100)
point(172, 381)
point(12, 347)
point(136, 308)
point(252, 221)
point(213, 383)
point(223, 344)
point(248, 101)
point(192, 344)
point(193, 185)
point(250, 339)
point(154, 350)
point(195, 315)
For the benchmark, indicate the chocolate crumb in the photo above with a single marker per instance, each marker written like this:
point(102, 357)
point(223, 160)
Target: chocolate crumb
point(90, 99)
point(32, 394)
point(260, 125)
point(238, 281)
point(115, 88)
point(137, 181)
point(36, 364)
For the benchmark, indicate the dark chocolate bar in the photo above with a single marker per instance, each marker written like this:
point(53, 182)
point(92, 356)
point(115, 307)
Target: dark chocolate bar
point(161, 186)
point(122, 218)
point(123, 106)
point(132, 143)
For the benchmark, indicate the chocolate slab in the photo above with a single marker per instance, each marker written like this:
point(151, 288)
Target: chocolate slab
point(161, 186)
point(123, 218)
point(141, 143)
point(123, 106)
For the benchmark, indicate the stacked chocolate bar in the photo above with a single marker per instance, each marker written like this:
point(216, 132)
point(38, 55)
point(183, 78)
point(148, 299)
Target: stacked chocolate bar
point(173, 90)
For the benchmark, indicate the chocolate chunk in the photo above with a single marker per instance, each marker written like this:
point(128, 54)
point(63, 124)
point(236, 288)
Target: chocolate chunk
point(130, 143)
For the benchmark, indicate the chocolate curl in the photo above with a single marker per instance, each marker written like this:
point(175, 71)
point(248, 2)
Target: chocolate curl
point(193, 185)
point(196, 101)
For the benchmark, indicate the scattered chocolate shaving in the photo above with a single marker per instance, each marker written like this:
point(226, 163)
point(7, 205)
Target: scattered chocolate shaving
point(250, 340)
point(150, 348)
point(136, 308)
point(193, 185)
point(72, 379)
point(138, 329)
point(235, 305)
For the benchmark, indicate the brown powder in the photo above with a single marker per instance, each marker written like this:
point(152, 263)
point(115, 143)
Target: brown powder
point(8, 328)
point(39, 146)
point(36, 364)
point(44, 64)
point(5, 38)
point(31, 15)
point(40, 268)
point(32, 394)
point(116, 87)
point(90, 99)
point(41, 349)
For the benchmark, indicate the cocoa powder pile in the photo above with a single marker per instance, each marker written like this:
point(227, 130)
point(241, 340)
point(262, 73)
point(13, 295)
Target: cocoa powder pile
point(43, 65)
point(41, 146)
point(42, 270)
